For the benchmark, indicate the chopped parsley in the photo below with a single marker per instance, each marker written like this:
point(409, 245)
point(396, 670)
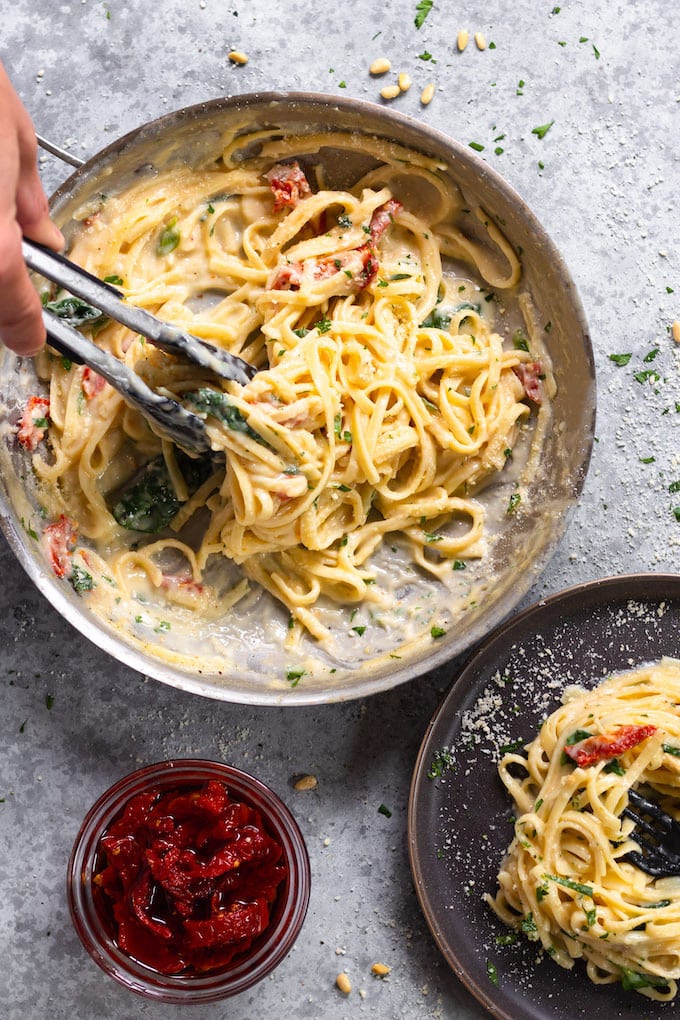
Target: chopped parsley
point(437, 632)
point(620, 359)
point(80, 579)
point(520, 341)
point(294, 675)
point(384, 810)
point(648, 375)
point(513, 503)
point(568, 883)
point(515, 745)
point(169, 238)
point(423, 8)
point(542, 129)
point(442, 761)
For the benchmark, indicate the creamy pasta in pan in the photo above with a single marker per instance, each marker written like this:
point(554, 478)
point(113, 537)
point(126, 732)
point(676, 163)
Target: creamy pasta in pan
point(387, 397)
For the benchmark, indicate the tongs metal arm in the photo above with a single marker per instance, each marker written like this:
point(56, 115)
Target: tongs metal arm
point(171, 419)
point(108, 300)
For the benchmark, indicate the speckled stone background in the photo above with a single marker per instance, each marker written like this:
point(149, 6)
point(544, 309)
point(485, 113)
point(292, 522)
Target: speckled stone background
point(604, 181)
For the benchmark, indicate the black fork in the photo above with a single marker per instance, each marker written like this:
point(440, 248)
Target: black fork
point(657, 835)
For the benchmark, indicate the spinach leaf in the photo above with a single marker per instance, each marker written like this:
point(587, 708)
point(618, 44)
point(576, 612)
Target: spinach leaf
point(150, 502)
point(440, 318)
point(74, 311)
point(218, 405)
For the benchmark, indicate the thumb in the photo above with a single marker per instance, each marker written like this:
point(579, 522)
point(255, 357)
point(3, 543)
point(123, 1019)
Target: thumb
point(32, 211)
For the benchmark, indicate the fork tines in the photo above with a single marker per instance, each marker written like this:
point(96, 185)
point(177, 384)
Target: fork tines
point(656, 833)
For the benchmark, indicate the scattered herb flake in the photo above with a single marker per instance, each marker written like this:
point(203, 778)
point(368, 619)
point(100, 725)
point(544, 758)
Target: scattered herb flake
point(568, 883)
point(423, 8)
point(442, 761)
point(384, 810)
point(542, 129)
point(513, 503)
point(169, 238)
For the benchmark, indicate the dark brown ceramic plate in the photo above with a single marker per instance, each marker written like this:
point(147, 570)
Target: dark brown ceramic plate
point(459, 822)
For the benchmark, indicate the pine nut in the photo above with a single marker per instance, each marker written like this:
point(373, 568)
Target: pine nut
point(480, 40)
point(675, 329)
point(306, 783)
point(343, 983)
point(463, 39)
point(380, 969)
point(237, 57)
point(404, 81)
point(427, 94)
point(390, 92)
point(380, 66)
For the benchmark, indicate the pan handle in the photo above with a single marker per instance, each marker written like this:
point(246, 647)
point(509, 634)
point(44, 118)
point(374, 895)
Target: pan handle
point(66, 157)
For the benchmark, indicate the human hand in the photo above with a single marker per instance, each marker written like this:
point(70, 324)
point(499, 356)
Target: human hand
point(23, 210)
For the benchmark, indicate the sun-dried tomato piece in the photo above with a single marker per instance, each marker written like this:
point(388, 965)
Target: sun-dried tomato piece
point(530, 374)
point(602, 747)
point(289, 184)
point(60, 539)
point(241, 922)
point(93, 383)
point(34, 422)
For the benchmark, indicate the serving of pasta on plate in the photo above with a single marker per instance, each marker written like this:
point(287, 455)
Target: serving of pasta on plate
point(571, 880)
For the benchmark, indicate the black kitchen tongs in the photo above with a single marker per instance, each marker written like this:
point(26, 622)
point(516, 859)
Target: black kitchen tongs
point(172, 421)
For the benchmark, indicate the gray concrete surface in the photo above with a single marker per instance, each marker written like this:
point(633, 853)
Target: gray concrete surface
point(604, 183)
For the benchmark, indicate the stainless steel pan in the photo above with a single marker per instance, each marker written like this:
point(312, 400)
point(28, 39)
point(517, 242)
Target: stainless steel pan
point(525, 544)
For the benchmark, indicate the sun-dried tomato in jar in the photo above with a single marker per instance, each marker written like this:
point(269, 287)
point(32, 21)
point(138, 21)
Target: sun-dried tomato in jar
point(185, 878)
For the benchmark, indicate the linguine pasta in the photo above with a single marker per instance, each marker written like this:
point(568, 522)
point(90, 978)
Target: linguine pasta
point(566, 882)
point(385, 400)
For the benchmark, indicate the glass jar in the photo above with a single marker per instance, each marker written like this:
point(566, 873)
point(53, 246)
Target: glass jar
point(287, 910)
